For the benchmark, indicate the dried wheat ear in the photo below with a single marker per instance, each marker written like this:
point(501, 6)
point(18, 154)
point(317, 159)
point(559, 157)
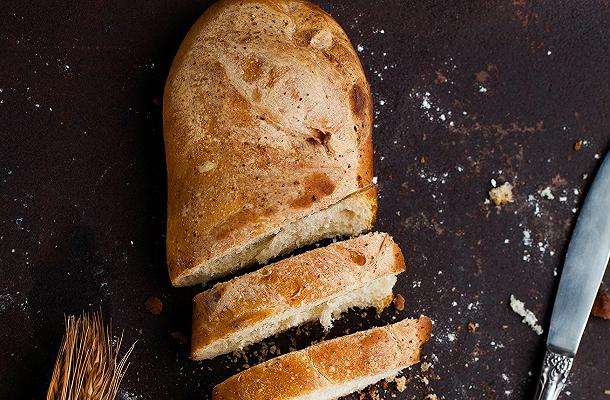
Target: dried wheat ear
point(88, 365)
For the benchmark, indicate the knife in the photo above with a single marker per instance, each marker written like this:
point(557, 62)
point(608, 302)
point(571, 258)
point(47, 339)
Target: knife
point(582, 273)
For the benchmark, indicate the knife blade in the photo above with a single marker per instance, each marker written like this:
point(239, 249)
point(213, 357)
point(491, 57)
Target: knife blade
point(581, 276)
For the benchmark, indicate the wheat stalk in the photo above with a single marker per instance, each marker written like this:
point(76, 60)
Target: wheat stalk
point(88, 365)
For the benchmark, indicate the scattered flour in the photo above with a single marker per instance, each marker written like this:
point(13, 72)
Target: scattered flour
point(546, 193)
point(527, 238)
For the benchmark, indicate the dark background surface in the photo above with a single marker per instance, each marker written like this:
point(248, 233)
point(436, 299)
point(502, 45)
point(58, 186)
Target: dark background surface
point(511, 86)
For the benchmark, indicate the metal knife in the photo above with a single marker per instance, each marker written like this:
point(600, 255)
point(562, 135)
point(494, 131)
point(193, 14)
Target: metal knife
point(581, 276)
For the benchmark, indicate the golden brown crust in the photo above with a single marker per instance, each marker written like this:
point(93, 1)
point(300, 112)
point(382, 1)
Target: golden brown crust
point(291, 283)
point(267, 119)
point(330, 363)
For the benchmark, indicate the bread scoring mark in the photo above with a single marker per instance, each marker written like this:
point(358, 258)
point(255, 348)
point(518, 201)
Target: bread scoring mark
point(321, 40)
point(356, 257)
point(275, 74)
point(256, 95)
point(316, 187)
point(252, 69)
point(358, 100)
point(249, 318)
point(233, 223)
point(211, 301)
point(320, 137)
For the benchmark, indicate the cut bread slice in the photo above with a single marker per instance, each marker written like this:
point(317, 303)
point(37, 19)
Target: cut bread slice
point(317, 285)
point(349, 217)
point(333, 368)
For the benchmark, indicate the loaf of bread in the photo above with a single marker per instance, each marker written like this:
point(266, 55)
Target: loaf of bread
point(267, 123)
point(319, 284)
point(331, 369)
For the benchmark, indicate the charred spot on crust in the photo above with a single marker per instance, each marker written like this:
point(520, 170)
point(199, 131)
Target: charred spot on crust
point(358, 100)
point(357, 258)
point(316, 186)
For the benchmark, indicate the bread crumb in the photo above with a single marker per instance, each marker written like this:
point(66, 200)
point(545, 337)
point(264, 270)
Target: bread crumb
point(401, 384)
point(424, 367)
point(601, 307)
point(504, 327)
point(424, 380)
point(528, 317)
point(607, 391)
point(399, 302)
point(472, 327)
point(153, 305)
point(431, 397)
point(502, 195)
point(578, 145)
point(440, 78)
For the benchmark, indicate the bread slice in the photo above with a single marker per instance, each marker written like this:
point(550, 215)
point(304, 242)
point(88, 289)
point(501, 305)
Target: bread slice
point(333, 368)
point(319, 284)
point(267, 119)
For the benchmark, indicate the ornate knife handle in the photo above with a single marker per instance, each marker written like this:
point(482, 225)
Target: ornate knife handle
point(554, 374)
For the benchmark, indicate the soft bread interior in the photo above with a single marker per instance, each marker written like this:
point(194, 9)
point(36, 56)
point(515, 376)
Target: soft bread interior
point(348, 217)
point(336, 391)
point(377, 293)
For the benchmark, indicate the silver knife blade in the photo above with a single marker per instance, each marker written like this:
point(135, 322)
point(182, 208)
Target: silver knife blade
point(583, 270)
point(584, 266)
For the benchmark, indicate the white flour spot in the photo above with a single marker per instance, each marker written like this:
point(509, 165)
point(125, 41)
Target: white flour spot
point(546, 193)
point(532, 202)
point(125, 395)
point(528, 317)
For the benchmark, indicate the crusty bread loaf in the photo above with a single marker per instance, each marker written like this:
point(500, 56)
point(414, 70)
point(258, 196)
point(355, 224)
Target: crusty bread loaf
point(267, 123)
point(319, 284)
point(331, 369)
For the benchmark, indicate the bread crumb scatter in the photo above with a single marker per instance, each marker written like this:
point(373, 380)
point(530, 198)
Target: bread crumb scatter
point(501, 195)
point(528, 317)
point(153, 305)
point(601, 307)
point(399, 302)
point(401, 384)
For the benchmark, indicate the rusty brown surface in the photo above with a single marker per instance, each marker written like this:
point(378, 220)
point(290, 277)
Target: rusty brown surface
point(464, 92)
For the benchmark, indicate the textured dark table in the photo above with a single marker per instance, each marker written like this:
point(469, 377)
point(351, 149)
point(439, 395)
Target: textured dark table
point(465, 91)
